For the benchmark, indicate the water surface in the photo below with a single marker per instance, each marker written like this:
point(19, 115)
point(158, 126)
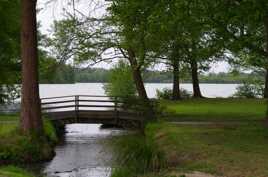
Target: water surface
point(208, 90)
point(84, 153)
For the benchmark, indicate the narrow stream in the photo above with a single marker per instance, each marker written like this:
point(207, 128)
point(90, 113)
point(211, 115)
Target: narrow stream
point(84, 153)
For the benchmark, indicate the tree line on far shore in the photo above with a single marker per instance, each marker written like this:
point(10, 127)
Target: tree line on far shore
point(67, 74)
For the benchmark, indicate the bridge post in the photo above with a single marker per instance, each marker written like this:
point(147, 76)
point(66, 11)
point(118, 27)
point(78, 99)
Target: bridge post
point(76, 101)
point(116, 110)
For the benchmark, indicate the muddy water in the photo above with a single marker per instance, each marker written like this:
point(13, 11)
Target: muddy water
point(84, 153)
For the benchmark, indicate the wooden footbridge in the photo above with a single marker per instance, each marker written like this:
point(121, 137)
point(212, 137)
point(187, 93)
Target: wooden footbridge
point(89, 109)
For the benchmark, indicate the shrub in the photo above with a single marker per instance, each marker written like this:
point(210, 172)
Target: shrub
point(120, 82)
point(150, 111)
point(167, 93)
point(249, 90)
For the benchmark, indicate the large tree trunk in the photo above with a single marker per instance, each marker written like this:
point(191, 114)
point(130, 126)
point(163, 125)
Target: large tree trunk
point(195, 80)
point(266, 84)
point(176, 81)
point(31, 120)
point(136, 72)
point(266, 69)
point(266, 76)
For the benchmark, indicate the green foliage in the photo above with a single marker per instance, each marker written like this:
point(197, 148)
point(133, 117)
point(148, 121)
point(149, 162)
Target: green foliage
point(62, 40)
point(75, 40)
point(167, 93)
point(52, 72)
point(250, 90)
point(9, 48)
point(50, 132)
point(47, 67)
point(137, 154)
point(150, 110)
point(8, 93)
point(121, 82)
point(84, 75)
point(10, 36)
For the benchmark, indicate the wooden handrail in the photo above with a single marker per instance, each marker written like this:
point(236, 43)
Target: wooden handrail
point(81, 106)
point(96, 96)
point(70, 101)
point(68, 96)
point(57, 102)
point(58, 107)
point(48, 98)
point(97, 106)
point(76, 100)
point(101, 101)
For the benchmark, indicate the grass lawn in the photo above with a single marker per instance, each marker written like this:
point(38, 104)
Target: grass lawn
point(11, 171)
point(212, 109)
point(7, 128)
point(230, 151)
point(5, 117)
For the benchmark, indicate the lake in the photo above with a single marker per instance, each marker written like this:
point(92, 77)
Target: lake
point(208, 90)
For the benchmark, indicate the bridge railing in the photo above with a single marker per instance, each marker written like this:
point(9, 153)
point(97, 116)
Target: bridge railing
point(80, 103)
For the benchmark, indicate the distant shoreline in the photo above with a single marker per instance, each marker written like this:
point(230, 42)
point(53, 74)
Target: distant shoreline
point(148, 83)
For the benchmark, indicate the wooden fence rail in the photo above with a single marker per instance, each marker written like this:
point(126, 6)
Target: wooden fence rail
point(80, 101)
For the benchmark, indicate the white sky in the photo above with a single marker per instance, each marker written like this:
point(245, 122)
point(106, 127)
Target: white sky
point(54, 10)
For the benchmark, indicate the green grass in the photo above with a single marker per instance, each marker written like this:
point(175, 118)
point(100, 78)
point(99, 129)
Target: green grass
point(136, 155)
point(215, 109)
point(6, 129)
point(7, 117)
point(11, 171)
point(222, 150)
point(9, 125)
point(231, 151)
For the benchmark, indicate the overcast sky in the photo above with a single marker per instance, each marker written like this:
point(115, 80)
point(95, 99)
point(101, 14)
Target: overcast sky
point(56, 10)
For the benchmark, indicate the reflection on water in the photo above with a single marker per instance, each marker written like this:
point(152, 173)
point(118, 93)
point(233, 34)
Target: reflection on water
point(84, 153)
